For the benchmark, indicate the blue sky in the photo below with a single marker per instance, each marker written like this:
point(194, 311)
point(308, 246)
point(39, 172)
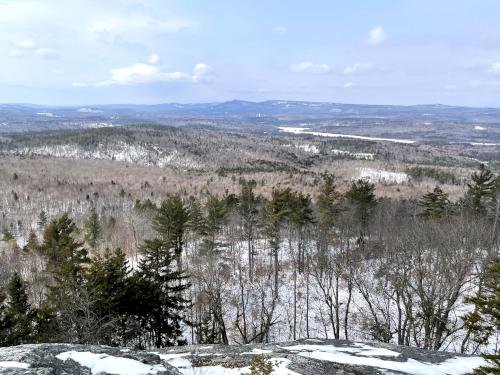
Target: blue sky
point(153, 51)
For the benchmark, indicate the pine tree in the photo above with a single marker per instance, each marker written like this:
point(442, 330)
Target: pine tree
point(93, 229)
point(161, 287)
point(485, 320)
point(215, 219)
point(42, 220)
point(275, 214)
point(170, 222)
point(196, 223)
point(32, 244)
point(7, 236)
point(19, 313)
point(4, 322)
point(248, 210)
point(108, 283)
point(329, 203)
point(65, 259)
point(480, 189)
point(434, 204)
point(361, 195)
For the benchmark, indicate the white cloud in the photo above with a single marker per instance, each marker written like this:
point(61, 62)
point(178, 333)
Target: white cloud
point(47, 53)
point(376, 36)
point(280, 29)
point(349, 85)
point(495, 68)
point(25, 44)
point(135, 27)
point(357, 67)
point(309, 67)
point(150, 72)
point(154, 59)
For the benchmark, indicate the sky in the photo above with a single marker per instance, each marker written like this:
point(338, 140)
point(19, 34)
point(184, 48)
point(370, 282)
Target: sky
point(75, 52)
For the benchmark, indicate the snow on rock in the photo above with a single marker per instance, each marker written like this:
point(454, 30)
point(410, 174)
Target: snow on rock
point(296, 130)
point(257, 351)
point(104, 363)
point(365, 357)
point(376, 175)
point(477, 127)
point(13, 364)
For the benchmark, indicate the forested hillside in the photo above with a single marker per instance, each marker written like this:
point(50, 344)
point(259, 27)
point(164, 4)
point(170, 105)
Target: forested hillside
point(247, 268)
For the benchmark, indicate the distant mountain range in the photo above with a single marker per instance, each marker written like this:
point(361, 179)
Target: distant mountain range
point(240, 108)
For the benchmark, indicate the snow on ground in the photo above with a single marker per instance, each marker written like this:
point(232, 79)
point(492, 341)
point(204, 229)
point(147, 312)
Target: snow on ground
point(484, 144)
point(452, 366)
point(46, 114)
point(120, 151)
point(376, 175)
point(355, 155)
point(256, 351)
point(13, 364)
point(309, 148)
point(103, 363)
point(335, 135)
point(184, 365)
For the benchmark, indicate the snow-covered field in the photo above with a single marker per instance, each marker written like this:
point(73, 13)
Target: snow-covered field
point(375, 175)
point(296, 130)
point(148, 155)
point(313, 149)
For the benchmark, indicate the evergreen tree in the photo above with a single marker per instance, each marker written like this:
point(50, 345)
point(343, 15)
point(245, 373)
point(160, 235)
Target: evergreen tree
point(170, 222)
point(196, 222)
point(480, 189)
point(19, 314)
point(275, 214)
point(248, 210)
point(42, 220)
point(32, 243)
point(4, 322)
point(7, 236)
point(93, 229)
point(328, 202)
point(434, 204)
point(215, 219)
point(65, 260)
point(161, 288)
point(361, 195)
point(485, 320)
point(108, 283)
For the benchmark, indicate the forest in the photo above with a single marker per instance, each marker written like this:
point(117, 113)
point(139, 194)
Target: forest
point(245, 268)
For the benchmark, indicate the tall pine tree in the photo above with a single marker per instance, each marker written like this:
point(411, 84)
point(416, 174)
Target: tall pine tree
point(161, 287)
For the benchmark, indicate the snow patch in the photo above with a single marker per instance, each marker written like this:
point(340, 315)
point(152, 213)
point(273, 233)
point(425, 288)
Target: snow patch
point(376, 175)
point(362, 355)
point(355, 155)
point(13, 364)
point(103, 363)
point(257, 351)
point(309, 148)
point(334, 135)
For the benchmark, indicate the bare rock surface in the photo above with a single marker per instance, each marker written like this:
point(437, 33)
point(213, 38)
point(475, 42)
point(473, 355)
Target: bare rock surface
point(305, 357)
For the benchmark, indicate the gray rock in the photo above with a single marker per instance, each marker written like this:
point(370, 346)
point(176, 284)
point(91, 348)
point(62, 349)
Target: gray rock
point(42, 358)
